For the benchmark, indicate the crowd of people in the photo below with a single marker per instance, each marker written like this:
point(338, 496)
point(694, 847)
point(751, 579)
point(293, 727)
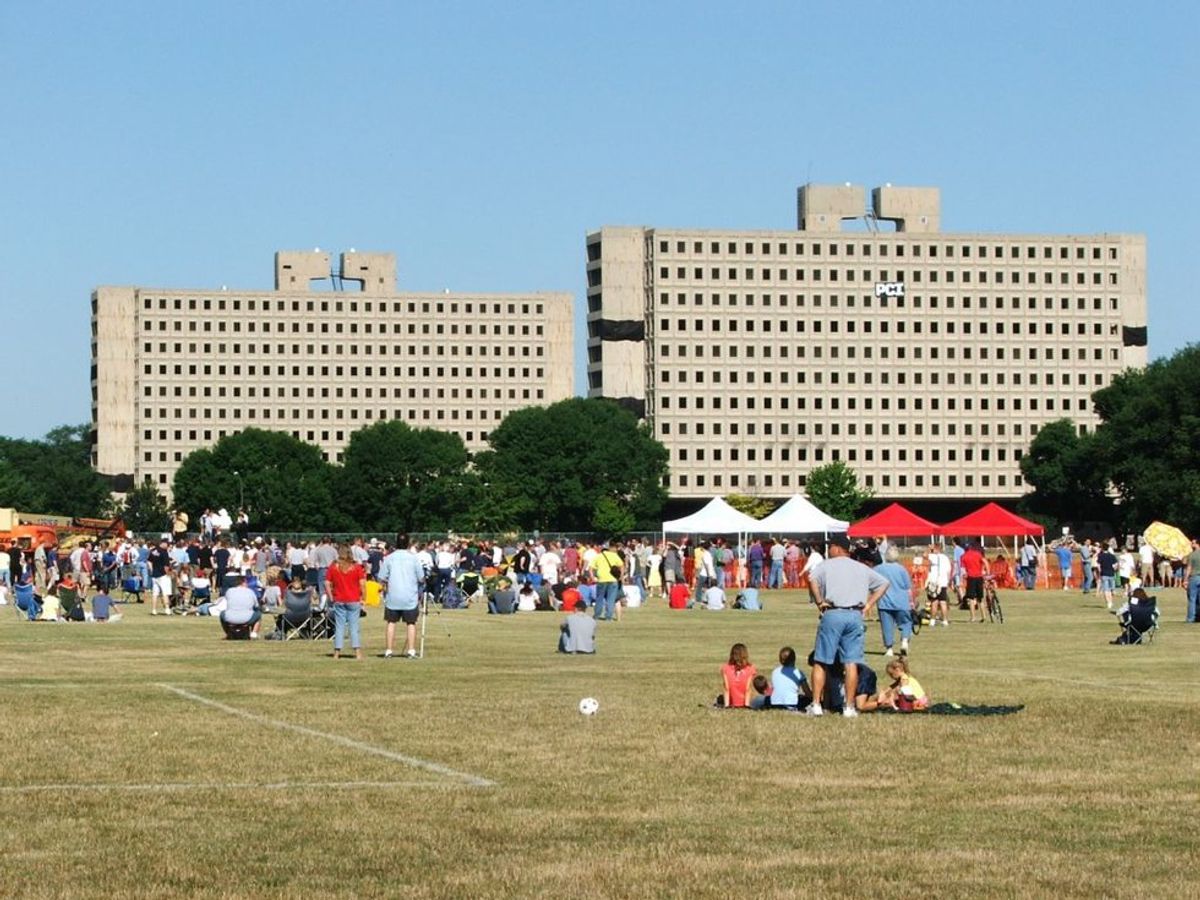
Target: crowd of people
point(321, 586)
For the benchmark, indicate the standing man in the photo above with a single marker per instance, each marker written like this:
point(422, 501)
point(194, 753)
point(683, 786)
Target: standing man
point(973, 564)
point(325, 555)
point(221, 559)
point(179, 525)
point(777, 554)
point(843, 590)
point(1063, 552)
point(608, 566)
point(1106, 561)
point(401, 573)
point(957, 574)
point(159, 560)
point(1087, 554)
point(755, 557)
point(937, 584)
point(1192, 574)
point(1146, 564)
point(1029, 563)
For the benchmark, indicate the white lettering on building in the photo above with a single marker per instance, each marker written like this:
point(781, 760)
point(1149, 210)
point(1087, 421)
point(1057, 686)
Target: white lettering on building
point(889, 289)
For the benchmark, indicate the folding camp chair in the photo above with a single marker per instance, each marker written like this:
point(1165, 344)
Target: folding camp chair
point(293, 624)
point(131, 584)
point(26, 602)
point(1139, 623)
point(72, 609)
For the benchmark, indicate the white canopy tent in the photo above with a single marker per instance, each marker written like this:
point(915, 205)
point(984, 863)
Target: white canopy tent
point(799, 516)
point(716, 517)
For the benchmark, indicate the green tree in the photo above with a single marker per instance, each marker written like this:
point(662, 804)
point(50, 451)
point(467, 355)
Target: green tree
point(834, 489)
point(755, 507)
point(144, 509)
point(611, 518)
point(397, 478)
point(286, 483)
point(56, 471)
point(551, 466)
point(1062, 466)
point(16, 491)
point(1148, 443)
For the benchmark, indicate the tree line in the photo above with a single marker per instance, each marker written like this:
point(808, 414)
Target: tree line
point(1140, 464)
point(577, 465)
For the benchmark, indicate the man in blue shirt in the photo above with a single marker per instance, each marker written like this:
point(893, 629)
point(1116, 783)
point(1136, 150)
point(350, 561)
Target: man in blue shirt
point(1063, 552)
point(401, 573)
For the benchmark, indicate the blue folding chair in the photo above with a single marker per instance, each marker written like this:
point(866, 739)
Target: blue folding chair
point(27, 601)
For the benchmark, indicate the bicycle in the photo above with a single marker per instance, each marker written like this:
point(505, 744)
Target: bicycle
point(991, 602)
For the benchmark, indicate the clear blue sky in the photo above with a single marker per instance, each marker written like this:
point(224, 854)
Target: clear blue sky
point(181, 144)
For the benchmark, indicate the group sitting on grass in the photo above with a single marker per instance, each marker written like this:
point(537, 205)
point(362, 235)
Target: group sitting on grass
point(62, 601)
point(788, 689)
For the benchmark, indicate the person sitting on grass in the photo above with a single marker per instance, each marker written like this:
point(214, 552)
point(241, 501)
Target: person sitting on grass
point(714, 598)
point(241, 609)
point(737, 676)
point(789, 687)
point(747, 599)
point(503, 600)
point(866, 698)
point(905, 694)
point(102, 610)
point(762, 693)
point(527, 598)
point(679, 597)
point(578, 631)
point(51, 607)
point(571, 597)
point(546, 601)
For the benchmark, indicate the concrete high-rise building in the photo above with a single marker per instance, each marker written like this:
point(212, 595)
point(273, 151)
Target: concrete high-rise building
point(926, 361)
point(174, 370)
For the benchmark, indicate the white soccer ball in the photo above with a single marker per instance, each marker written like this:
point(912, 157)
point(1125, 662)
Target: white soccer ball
point(589, 706)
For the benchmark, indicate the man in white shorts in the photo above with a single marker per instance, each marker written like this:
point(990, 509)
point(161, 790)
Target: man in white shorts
point(160, 577)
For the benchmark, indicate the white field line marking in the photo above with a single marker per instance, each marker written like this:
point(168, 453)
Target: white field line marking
point(1018, 675)
point(220, 786)
point(413, 761)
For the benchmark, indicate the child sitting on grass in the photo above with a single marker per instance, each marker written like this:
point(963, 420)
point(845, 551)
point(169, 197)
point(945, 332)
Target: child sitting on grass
point(762, 691)
point(789, 687)
point(737, 675)
point(906, 693)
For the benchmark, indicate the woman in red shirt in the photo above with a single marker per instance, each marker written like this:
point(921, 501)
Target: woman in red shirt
point(347, 585)
point(737, 675)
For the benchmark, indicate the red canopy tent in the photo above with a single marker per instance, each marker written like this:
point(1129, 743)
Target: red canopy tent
point(992, 520)
point(894, 521)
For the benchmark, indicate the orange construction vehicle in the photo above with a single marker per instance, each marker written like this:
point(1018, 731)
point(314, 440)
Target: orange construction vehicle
point(33, 530)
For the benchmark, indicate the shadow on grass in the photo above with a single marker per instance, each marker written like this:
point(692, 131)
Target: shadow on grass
point(956, 709)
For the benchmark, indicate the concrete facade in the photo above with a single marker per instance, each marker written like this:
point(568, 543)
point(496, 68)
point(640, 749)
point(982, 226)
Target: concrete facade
point(925, 361)
point(174, 370)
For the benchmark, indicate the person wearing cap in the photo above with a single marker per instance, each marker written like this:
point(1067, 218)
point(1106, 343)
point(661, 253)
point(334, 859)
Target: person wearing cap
point(609, 569)
point(843, 590)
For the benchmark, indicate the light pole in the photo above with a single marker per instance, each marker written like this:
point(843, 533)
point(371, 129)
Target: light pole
point(241, 490)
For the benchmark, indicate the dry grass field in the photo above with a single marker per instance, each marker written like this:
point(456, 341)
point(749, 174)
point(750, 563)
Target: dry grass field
point(149, 758)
